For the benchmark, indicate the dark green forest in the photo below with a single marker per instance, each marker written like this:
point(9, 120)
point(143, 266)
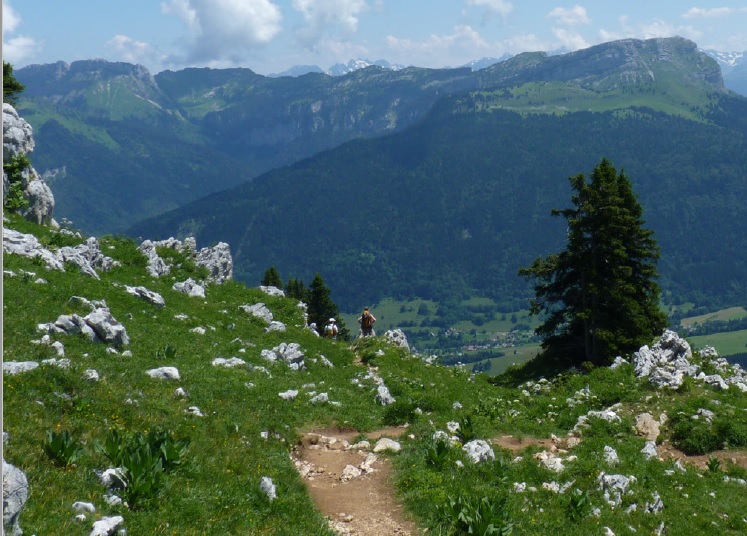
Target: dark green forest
point(453, 206)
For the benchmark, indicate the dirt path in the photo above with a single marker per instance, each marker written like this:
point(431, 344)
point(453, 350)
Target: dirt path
point(356, 505)
point(351, 485)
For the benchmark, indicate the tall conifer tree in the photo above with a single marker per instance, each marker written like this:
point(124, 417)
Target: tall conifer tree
point(600, 294)
point(272, 278)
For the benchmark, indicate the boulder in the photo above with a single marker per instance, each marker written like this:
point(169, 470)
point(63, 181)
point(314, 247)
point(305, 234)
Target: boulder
point(259, 310)
point(398, 338)
point(107, 328)
point(228, 363)
point(15, 494)
point(649, 450)
point(479, 451)
point(386, 444)
point(17, 367)
point(272, 291)
point(647, 426)
point(383, 396)
point(148, 295)
point(614, 487)
point(275, 326)
point(106, 526)
point(291, 354)
point(190, 287)
point(164, 373)
point(27, 245)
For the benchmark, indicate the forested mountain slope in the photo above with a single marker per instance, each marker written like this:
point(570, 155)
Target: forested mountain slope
point(113, 134)
point(455, 205)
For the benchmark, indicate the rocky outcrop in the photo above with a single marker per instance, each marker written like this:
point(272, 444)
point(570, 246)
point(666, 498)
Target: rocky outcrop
point(18, 140)
point(87, 256)
point(670, 360)
point(217, 259)
point(98, 326)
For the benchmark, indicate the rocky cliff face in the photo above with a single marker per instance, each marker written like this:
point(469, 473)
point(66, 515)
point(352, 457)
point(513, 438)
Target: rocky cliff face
point(628, 62)
point(18, 140)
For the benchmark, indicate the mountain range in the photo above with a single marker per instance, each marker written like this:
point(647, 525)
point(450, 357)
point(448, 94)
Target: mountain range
point(733, 66)
point(427, 182)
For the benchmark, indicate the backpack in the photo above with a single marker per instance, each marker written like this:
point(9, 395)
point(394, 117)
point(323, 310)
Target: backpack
point(366, 320)
point(330, 330)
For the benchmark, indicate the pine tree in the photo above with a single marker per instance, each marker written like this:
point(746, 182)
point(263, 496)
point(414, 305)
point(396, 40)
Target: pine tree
point(272, 278)
point(599, 296)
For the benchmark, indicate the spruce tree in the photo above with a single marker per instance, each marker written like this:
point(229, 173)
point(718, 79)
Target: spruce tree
point(272, 278)
point(295, 288)
point(599, 296)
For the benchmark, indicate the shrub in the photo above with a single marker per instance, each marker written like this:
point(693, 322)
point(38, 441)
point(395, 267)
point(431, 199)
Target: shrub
point(14, 169)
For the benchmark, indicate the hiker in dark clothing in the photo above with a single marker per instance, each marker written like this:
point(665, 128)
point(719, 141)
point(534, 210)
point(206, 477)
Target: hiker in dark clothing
point(366, 321)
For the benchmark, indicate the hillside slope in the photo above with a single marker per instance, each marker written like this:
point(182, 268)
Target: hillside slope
point(243, 392)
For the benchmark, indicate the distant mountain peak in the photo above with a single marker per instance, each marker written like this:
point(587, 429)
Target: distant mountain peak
point(340, 69)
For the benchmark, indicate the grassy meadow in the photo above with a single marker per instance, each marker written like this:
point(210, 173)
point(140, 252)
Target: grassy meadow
point(63, 429)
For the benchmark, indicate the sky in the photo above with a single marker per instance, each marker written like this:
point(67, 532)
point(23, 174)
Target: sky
point(270, 36)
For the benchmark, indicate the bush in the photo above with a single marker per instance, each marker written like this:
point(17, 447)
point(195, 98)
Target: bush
point(14, 169)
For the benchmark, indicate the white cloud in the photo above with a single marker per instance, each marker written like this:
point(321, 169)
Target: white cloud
point(326, 16)
point(464, 44)
point(131, 51)
point(570, 40)
point(569, 16)
point(225, 30)
point(502, 7)
point(649, 30)
point(18, 48)
point(697, 12)
point(11, 20)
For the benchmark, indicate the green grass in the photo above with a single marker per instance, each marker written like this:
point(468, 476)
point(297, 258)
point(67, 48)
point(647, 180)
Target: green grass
point(731, 313)
point(214, 489)
point(558, 98)
point(726, 344)
point(38, 115)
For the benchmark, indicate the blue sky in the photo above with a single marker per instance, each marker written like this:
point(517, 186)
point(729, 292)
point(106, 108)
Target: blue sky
point(270, 36)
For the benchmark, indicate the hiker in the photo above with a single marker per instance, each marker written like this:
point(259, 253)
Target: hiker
point(366, 321)
point(313, 329)
point(330, 330)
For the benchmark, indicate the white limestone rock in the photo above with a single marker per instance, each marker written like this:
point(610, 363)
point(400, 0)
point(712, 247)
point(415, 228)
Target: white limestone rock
point(479, 451)
point(164, 373)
